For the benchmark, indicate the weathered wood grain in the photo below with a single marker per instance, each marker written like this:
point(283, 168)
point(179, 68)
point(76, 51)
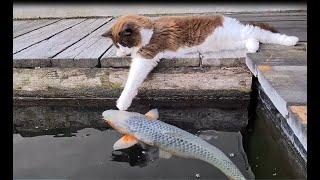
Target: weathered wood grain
point(109, 59)
point(87, 51)
point(223, 58)
point(47, 49)
point(23, 27)
point(41, 34)
point(264, 18)
point(276, 47)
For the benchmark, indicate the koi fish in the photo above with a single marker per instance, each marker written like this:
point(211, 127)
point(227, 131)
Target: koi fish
point(169, 139)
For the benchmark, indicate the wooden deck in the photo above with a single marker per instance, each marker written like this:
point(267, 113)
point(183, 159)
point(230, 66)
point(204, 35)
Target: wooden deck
point(78, 42)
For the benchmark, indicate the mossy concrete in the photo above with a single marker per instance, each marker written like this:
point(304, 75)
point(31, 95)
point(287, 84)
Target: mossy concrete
point(109, 82)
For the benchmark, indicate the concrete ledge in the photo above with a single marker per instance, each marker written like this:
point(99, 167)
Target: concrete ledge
point(53, 98)
point(44, 119)
point(297, 120)
point(282, 74)
point(108, 82)
point(284, 126)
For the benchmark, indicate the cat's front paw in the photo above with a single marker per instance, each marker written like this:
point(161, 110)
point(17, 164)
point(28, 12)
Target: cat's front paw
point(123, 103)
point(125, 100)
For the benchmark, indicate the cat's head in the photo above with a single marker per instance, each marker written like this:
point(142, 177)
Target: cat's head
point(129, 33)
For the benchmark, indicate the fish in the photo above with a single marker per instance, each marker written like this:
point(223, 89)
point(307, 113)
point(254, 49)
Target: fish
point(171, 140)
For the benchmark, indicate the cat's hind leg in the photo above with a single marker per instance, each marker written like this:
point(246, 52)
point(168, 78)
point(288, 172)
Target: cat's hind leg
point(252, 45)
point(267, 37)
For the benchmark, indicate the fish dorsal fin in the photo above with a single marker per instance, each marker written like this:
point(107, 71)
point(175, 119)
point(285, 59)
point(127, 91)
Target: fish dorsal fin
point(153, 114)
point(124, 142)
point(164, 154)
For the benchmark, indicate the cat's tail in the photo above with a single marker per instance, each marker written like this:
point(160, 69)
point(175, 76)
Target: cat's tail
point(265, 33)
point(264, 26)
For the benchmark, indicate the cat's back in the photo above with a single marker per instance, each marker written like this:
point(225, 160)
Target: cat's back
point(186, 30)
point(189, 21)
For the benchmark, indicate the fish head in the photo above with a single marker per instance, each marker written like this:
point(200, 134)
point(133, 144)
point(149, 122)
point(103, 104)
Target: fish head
point(118, 120)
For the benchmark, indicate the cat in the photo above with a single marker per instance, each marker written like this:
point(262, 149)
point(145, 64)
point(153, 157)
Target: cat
point(147, 41)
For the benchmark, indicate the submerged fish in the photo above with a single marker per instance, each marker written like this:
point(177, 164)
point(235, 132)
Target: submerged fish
point(169, 139)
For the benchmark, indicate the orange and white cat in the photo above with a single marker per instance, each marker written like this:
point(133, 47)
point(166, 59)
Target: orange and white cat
point(147, 41)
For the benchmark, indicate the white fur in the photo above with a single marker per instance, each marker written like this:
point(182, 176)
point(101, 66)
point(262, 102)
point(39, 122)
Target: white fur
point(139, 69)
point(252, 45)
point(233, 35)
point(123, 51)
point(146, 35)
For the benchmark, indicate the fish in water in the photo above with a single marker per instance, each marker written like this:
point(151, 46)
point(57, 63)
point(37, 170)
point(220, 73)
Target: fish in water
point(169, 139)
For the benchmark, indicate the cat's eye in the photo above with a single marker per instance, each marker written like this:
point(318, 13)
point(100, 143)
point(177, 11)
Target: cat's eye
point(126, 32)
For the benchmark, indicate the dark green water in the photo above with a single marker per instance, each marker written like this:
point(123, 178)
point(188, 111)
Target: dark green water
point(88, 154)
point(267, 156)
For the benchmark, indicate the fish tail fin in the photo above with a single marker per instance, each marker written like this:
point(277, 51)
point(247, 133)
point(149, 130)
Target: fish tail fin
point(224, 164)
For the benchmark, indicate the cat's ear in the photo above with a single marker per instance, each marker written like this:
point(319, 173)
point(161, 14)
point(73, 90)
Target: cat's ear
point(107, 34)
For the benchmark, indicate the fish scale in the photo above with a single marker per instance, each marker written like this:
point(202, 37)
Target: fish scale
point(181, 143)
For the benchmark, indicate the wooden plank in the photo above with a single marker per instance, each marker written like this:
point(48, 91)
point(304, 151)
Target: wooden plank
point(17, 23)
point(266, 13)
point(185, 60)
point(288, 24)
point(45, 50)
point(257, 17)
point(87, 51)
point(109, 59)
point(223, 58)
point(276, 47)
point(41, 34)
point(30, 25)
point(284, 85)
point(268, 18)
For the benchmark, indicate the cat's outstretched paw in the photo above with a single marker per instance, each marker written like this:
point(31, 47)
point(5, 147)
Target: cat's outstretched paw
point(252, 45)
point(123, 104)
point(290, 41)
point(125, 100)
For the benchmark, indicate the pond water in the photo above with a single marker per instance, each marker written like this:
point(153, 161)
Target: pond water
point(87, 154)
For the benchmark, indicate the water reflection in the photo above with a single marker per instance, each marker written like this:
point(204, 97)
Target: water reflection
point(136, 155)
